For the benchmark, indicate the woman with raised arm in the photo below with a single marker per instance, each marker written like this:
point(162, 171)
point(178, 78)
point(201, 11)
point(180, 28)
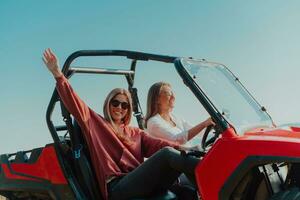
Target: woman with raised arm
point(117, 150)
point(160, 121)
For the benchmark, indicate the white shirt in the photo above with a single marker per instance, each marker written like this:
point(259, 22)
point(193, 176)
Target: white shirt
point(158, 127)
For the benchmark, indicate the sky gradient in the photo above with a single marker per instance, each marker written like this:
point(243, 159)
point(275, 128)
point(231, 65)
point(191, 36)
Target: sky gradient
point(258, 40)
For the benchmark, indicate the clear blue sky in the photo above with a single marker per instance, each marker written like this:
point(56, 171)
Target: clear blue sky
point(258, 40)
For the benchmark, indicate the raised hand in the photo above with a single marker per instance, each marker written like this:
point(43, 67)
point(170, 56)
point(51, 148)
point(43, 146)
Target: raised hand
point(51, 62)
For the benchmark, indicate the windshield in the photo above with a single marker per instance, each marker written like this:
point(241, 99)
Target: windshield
point(227, 94)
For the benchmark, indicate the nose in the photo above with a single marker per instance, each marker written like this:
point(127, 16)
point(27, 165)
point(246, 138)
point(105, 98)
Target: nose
point(119, 106)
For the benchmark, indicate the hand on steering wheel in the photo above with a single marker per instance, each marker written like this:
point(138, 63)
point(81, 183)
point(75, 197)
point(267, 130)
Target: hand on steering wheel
point(205, 142)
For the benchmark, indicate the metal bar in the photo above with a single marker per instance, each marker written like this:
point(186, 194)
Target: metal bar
point(129, 54)
point(61, 128)
point(78, 193)
point(93, 70)
point(269, 185)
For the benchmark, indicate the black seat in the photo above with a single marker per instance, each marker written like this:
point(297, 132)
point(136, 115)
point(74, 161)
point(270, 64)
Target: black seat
point(83, 167)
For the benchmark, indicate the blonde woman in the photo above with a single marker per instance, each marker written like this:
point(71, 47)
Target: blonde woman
point(117, 150)
point(160, 121)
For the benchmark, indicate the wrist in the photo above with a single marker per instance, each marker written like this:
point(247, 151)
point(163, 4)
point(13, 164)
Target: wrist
point(57, 73)
point(208, 123)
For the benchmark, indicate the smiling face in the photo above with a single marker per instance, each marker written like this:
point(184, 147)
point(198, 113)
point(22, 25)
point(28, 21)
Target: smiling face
point(166, 99)
point(112, 107)
point(118, 108)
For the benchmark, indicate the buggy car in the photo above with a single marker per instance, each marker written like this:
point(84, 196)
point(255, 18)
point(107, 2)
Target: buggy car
point(245, 156)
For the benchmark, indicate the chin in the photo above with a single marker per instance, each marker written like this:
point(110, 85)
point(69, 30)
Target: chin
point(117, 118)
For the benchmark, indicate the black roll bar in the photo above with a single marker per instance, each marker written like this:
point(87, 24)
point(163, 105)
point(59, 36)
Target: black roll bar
point(134, 55)
point(68, 71)
point(94, 70)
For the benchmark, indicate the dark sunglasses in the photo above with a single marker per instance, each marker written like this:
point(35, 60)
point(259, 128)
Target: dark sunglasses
point(116, 103)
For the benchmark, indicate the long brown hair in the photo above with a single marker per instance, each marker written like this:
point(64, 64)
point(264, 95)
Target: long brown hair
point(107, 114)
point(152, 99)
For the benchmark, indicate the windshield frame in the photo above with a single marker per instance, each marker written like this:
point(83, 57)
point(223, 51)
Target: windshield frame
point(200, 95)
point(212, 109)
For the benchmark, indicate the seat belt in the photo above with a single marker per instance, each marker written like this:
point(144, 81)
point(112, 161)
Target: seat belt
point(137, 110)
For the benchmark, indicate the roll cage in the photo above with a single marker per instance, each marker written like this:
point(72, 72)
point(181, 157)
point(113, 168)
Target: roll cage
point(80, 155)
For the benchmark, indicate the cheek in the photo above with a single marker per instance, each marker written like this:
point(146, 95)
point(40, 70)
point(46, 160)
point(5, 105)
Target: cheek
point(163, 100)
point(169, 99)
point(110, 109)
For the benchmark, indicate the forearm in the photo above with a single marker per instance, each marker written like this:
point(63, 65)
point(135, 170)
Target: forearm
point(196, 130)
point(71, 100)
point(56, 73)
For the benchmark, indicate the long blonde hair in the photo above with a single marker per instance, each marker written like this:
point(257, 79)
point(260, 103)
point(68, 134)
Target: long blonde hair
point(107, 114)
point(152, 100)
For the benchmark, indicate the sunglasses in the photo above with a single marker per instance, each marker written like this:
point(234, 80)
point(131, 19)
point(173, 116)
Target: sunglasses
point(116, 103)
point(167, 93)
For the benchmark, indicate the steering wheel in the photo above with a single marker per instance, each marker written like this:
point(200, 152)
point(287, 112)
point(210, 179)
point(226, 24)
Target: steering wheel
point(205, 142)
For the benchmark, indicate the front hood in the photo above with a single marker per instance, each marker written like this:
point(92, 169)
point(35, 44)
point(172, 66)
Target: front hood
point(285, 133)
